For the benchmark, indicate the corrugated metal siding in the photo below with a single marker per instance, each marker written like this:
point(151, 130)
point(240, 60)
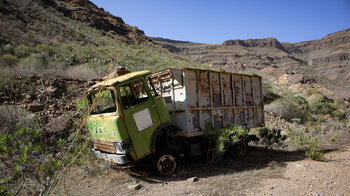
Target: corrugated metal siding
point(198, 97)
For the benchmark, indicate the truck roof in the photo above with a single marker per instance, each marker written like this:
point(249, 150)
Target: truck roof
point(118, 79)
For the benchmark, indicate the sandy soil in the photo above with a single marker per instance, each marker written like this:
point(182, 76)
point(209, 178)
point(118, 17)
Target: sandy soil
point(261, 172)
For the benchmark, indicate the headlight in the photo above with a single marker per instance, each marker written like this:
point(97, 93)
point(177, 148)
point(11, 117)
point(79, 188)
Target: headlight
point(123, 147)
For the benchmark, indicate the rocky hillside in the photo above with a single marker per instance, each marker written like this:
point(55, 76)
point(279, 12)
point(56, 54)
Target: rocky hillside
point(61, 37)
point(323, 63)
point(85, 11)
point(22, 17)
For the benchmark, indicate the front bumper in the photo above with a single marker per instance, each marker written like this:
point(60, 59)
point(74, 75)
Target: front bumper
point(114, 158)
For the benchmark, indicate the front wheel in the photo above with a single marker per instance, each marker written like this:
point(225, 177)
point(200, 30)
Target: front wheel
point(165, 162)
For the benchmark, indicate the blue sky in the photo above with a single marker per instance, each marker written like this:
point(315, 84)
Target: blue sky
point(214, 21)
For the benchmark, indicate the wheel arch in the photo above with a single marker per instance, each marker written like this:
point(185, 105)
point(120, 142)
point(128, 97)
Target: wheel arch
point(161, 129)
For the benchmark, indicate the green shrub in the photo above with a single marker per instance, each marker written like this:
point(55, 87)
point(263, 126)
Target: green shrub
point(42, 48)
point(22, 51)
point(308, 140)
point(313, 151)
point(35, 61)
point(338, 113)
point(339, 102)
point(8, 60)
point(8, 48)
point(300, 101)
point(311, 91)
point(287, 109)
point(223, 138)
point(321, 105)
point(296, 120)
point(24, 150)
point(272, 137)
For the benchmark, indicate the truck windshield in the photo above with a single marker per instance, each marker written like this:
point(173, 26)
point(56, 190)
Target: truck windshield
point(133, 94)
point(105, 102)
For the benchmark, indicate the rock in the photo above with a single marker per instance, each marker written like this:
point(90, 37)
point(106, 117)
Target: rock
point(135, 181)
point(134, 187)
point(27, 96)
point(193, 179)
point(59, 124)
point(35, 107)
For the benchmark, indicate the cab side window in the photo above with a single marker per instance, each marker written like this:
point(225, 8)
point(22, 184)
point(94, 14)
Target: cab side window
point(132, 94)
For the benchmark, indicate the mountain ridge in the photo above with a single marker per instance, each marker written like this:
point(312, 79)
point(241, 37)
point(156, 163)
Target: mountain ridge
point(325, 60)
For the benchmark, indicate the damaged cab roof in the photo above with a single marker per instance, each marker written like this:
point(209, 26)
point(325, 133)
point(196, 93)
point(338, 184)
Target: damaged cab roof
point(118, 79)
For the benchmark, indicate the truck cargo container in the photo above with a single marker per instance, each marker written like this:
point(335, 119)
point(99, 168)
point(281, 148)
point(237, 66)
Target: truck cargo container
point(165, 114)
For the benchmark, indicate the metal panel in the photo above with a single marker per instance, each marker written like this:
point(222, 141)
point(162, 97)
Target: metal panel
point(248, 90)
point(204, 98)
point(191, 88)
point(237, 80)
point(257, 90)
point(201, 96)
point(226, 89)
point(215, 89)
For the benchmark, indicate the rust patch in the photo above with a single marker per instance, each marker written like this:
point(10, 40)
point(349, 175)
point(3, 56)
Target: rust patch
point(104, 146)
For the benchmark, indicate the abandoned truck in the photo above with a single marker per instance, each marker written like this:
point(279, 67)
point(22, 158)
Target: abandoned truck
point(164, 115)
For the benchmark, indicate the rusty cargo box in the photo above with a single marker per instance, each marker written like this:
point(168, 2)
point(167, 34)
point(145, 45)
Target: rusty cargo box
point(196, 97)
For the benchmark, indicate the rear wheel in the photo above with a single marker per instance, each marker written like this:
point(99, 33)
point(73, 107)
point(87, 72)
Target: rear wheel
point(165, 162)
point(240, 148)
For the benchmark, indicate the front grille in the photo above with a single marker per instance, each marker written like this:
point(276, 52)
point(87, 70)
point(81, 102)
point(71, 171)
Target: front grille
point(104, 146)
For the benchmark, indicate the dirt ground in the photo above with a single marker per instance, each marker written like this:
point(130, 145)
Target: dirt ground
point(261, 172)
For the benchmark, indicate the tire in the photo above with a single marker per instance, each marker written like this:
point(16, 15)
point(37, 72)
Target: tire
point(240, 148)
point(164, 162)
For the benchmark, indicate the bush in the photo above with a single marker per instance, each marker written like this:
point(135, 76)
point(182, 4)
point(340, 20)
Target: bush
point(338, 113)
point(35, 62)
point(321, 105)
point(268, 92)
point(8, 48)
point(22, 51)
point(42, 48)
point(339, 102)
point(8, 60)
point(28, 153)
point(287, 109)
point(301, 101)
point(12, 117)
point(311, 91)
point(223, 138)
point(272, 137)
point(313, 152)
point(308, 140)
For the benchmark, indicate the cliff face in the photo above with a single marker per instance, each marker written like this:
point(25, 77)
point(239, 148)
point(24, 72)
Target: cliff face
point(323, 62)
point(85, 11)
point(38, 21)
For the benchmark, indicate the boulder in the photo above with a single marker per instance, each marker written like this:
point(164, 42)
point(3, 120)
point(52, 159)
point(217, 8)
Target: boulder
point(58, 125)
point(35, 107)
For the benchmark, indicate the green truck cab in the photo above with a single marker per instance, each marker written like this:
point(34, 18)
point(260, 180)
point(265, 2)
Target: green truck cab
point(164, 114)
point(128, 115)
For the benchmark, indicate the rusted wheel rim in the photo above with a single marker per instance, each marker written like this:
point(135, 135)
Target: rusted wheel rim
point(166, 164)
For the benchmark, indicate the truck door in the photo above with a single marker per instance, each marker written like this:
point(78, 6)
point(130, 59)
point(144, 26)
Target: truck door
point(140, 113)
